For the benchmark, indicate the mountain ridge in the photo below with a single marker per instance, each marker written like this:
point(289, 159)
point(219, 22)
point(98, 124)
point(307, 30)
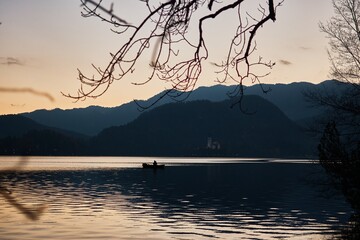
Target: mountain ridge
point(91, 120)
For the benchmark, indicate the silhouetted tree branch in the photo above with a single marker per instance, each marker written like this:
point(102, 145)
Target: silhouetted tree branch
point(32, 213)
point(169, 23)
point(343, 32)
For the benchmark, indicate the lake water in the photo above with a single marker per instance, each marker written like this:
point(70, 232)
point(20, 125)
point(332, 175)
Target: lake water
point(114, 198)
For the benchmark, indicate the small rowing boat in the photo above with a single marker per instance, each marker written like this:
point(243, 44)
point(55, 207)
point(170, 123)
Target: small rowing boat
point(153, 166)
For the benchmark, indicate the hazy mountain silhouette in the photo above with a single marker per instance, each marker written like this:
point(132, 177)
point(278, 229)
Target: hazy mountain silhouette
point(288, 97)
point(91, 120)
point(18, 125)
point(20, 135)
point(87, 121)
point(184, 129)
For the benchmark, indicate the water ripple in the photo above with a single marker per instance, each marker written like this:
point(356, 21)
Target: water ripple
point(180, 202)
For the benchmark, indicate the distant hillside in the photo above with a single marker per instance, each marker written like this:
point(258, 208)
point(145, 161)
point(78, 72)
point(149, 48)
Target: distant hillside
point(18, 125)
point(91, 120)
point(22, 136)
point(288, 97)
point(88, 121)
point(185, 129)
point(291, 100)
point(42, 142)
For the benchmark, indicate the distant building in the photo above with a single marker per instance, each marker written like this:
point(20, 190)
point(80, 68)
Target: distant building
point(212, 144)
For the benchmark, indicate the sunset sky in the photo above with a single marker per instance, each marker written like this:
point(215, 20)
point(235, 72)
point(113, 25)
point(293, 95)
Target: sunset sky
point(43, 42)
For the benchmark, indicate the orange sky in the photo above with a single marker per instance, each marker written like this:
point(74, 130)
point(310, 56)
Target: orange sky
point(43, 42)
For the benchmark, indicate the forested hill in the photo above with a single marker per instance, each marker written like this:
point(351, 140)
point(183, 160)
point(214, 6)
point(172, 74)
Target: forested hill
point(204, 128)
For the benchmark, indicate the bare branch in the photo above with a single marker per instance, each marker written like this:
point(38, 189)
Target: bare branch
point(169, 24)
point(343, 32)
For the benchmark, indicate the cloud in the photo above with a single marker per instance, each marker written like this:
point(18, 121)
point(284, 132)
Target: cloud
point(11, 61)
point(28, 90)
point(18, 105)
point(285, 62)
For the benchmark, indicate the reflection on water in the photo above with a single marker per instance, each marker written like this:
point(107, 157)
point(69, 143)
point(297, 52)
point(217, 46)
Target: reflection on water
point(199, 201)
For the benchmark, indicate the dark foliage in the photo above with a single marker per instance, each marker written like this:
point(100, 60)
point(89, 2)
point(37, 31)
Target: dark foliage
point(352, 231)
point(342, 164)
point(42, 143)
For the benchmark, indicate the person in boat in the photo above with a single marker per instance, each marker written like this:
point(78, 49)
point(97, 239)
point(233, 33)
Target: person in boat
point(155, 163)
